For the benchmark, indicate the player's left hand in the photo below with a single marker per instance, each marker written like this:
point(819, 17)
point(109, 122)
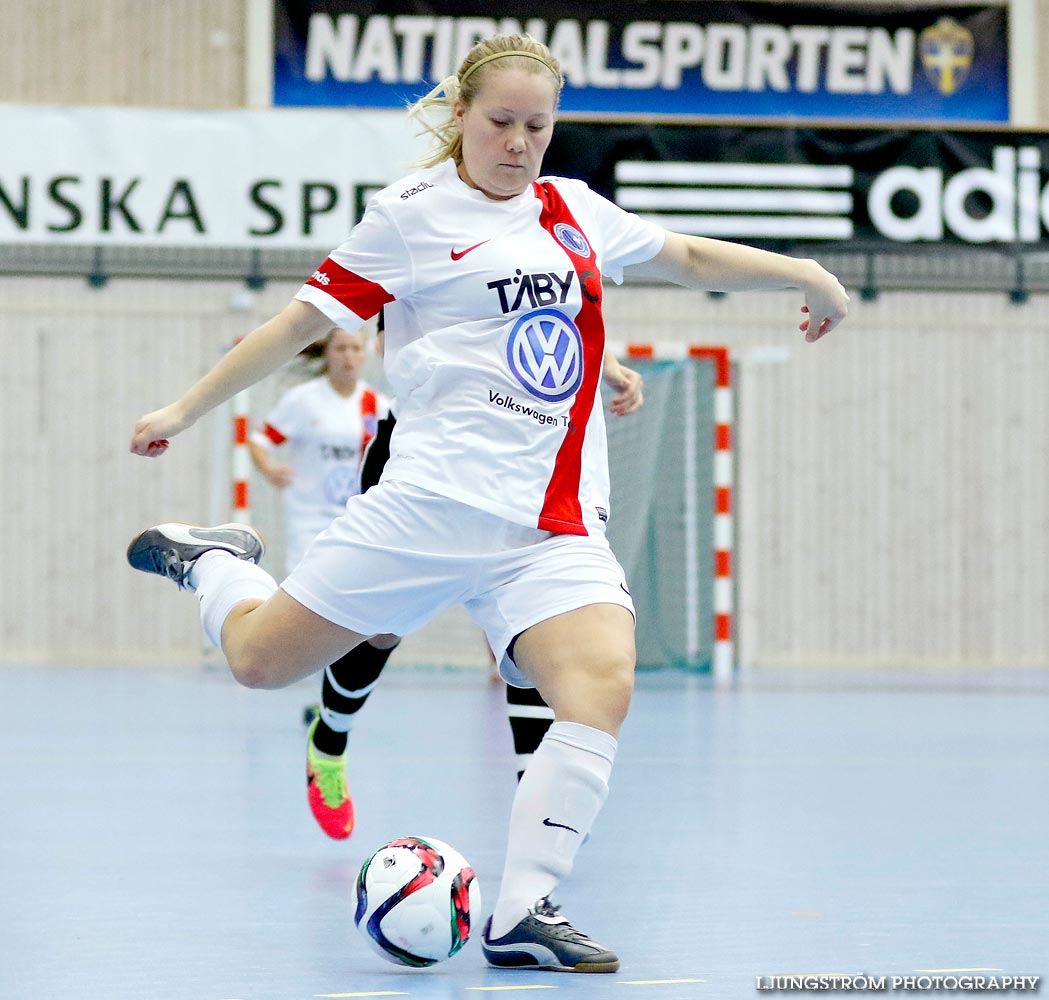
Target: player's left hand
point(826, 303)
point(626, 383)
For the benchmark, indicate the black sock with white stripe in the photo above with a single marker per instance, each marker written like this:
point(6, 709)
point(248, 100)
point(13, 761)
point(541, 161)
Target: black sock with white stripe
point(347, 684)
point(530, 718)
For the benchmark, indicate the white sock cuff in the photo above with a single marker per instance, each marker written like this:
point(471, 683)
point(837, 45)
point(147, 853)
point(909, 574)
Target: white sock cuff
point(575, 734)
point(529, 712)
point(336, 721)
point(346, 692)
point(226, 583)
point(202, 565)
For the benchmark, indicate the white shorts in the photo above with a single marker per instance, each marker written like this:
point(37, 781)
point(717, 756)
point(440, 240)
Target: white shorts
point(401, 554)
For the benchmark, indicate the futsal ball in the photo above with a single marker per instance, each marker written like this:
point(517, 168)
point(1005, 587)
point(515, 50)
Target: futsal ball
point(417, 899)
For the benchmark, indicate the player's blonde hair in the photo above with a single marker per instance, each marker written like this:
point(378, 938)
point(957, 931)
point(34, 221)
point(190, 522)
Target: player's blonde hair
point(435, 111)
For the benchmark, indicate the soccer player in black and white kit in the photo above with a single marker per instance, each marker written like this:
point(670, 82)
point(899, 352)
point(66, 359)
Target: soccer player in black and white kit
point(493, 282)
point(349, 681)
point(310, 447)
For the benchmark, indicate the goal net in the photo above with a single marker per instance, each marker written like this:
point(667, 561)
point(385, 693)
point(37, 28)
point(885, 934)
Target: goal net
point(661, 528)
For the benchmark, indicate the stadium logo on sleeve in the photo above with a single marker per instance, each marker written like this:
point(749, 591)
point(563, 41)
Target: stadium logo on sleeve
point(571, 238)
point(545, 354)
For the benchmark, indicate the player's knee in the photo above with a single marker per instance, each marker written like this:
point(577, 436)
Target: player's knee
point(598, 692)
point(254, 669)
point(618, 683)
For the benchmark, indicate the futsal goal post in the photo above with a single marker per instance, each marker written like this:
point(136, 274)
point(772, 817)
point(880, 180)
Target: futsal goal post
point(670, 523)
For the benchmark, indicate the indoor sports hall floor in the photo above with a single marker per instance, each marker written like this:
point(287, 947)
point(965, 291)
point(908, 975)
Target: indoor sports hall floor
point(155, 843)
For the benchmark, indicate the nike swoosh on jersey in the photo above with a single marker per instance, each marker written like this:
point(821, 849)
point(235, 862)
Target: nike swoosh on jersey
point(460, 254)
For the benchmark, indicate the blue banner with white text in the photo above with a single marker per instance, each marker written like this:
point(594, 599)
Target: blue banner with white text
point(927, 62)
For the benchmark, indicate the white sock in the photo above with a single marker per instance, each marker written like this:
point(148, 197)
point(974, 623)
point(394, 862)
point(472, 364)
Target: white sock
point(557, 801)
point(222, 581)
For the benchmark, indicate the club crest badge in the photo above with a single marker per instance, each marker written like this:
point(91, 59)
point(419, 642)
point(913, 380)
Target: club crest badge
point(572, 239)
point(947, 50)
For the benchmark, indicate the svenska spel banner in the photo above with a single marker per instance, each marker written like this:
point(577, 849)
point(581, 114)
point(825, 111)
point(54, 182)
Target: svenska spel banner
point(137, 176)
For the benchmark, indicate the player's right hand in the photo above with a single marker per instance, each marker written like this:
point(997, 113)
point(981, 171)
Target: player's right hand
point(153, 431)
point(279, 476)
point(627, 384)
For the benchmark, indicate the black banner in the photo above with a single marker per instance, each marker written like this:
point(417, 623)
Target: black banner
point(788, 185)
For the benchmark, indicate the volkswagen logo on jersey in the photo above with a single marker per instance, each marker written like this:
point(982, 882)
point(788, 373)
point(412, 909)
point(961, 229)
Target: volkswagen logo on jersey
point(570, 237)
point(340, 484)
point(545, 353)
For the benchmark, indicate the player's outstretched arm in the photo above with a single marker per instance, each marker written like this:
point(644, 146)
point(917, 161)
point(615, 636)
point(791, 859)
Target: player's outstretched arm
point(626, 383)
point(717, 266)
point(263, 351)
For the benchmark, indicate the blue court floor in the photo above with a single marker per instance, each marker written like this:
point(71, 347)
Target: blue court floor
point(155, 842)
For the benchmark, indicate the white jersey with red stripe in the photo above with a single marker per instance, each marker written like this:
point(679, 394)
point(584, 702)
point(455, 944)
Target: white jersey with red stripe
point(494, 337)
point(325, 435)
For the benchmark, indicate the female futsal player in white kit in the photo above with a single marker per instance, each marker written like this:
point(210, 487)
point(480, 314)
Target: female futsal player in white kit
point(493, 284)
point(322, 428)
point(333, 433)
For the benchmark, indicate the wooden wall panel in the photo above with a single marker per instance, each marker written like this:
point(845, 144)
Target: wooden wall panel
point(893, 476)
point(77, 367)
point(893, 506)
point(157, 53)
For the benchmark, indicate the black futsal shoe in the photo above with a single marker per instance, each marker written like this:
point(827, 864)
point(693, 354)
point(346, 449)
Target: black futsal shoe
point(170, 550)
point(546, 940)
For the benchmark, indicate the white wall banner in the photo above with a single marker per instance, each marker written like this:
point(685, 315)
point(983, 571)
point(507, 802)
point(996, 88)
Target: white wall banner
point(288, 179)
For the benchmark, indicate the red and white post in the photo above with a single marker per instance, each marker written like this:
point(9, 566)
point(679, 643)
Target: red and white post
point(724, 655)
point(724, 644)
point(241, 500)
point(241, 457)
